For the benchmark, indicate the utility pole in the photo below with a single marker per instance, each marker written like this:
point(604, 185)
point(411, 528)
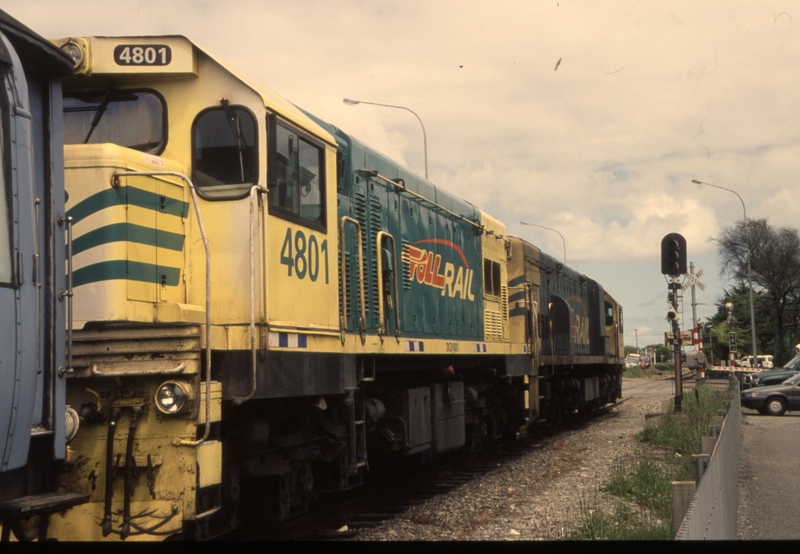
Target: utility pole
point(694, 305)
point(672, 316)
point(673, 264)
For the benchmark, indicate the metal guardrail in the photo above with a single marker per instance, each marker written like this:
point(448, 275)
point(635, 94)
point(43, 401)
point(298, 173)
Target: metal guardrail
point(712, 513)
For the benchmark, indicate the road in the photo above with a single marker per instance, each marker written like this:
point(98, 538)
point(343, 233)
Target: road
point(769, 489)
point(648, 387)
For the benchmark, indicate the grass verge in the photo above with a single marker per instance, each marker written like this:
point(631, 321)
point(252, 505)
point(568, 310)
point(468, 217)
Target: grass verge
point(643, 484)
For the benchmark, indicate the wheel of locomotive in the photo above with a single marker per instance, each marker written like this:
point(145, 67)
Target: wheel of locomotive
point(295, 491)
point(775, 406)
point(26, 529)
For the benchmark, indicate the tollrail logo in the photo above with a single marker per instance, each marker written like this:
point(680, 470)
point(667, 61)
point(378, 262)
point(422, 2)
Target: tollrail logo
point(580, 326)
point(425, 267)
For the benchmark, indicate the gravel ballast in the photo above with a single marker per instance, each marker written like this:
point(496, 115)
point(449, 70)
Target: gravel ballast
point(541, 495)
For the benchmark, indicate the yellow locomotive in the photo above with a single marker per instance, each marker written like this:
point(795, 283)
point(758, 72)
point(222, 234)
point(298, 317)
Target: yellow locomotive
point(262, 306)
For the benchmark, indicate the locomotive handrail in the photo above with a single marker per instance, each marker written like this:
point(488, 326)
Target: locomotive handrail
point(381, 330)
point(537, 344)
point(174, 371)
point(533, 310)
point(403, 188)
point(254, 190)
point(37, 202)
point(115, 183)
point(68, 295)
point(342, 288)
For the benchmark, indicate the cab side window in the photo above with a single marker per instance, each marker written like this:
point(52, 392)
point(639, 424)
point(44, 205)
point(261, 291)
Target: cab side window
point(491, 278)
point(223, 152)
point(296, 176)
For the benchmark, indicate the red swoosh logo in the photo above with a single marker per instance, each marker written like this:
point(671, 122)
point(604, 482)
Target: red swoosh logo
point(449, 243)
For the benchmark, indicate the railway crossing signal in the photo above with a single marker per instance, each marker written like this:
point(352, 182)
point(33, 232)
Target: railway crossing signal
point(673, 254)
point(693, 279)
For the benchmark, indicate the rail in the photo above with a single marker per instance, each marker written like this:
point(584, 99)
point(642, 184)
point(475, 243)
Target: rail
point(68, 294)
point(254, 192)
point(362, 326)
point(451, 213)
point(379, 256)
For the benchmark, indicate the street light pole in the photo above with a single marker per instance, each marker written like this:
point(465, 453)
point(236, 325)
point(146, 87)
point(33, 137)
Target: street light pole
point(351, 102)
point(749, 268)
point(564, 243)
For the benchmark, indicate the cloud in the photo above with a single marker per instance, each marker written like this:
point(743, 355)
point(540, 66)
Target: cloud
point(646, 97)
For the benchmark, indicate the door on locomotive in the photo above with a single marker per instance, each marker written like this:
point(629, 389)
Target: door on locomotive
point(32, 387)
point(614, 329)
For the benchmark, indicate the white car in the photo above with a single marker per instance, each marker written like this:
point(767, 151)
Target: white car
point(633, 361)
point(763, 361)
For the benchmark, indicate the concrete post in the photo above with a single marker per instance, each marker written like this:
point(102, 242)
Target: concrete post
point(682, 495)
point(699, 465)
point(707, 444)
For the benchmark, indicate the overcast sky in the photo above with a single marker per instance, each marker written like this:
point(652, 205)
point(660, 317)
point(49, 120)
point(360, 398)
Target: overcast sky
point(588, 117)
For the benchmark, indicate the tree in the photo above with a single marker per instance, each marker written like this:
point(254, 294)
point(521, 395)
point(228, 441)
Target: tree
point(765, 327)
point(663, 352)
point(775, 255)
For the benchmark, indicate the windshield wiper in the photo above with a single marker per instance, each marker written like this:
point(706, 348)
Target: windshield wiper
point(101, 109)
point(236, 128)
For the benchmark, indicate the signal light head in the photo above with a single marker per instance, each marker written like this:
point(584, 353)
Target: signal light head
point(672, 315)
point(673, 254)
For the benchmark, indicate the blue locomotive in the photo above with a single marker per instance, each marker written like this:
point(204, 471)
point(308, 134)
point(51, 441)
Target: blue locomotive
point(35, 423)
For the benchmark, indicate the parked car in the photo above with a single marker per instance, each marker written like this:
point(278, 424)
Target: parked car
point(774, 400)
point(772, 377)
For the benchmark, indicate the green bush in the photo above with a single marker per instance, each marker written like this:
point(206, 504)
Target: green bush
point(681, 431)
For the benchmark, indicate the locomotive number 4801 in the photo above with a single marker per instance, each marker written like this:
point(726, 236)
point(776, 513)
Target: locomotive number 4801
point(303, 254)
point(142, 54)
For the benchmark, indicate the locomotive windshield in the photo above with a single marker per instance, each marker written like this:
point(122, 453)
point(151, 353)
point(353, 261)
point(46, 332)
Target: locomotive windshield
point(131, 119)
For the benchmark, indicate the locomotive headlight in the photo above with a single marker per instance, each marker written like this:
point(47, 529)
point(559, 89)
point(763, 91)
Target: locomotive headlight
point(74, 51)
point(174, 397)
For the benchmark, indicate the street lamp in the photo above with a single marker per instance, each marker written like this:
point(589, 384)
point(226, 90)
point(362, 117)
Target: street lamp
point(351, 102)
point(549, 229)
point(749, 267)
